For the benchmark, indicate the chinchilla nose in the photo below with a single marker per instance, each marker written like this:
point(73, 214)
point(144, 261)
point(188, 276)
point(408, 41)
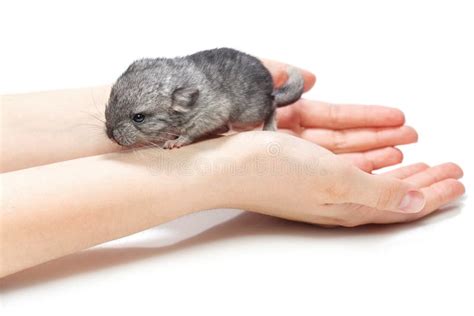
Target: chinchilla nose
point(110, 133)
point(120, 138)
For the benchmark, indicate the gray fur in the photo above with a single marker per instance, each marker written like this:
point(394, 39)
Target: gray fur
point(203, 94)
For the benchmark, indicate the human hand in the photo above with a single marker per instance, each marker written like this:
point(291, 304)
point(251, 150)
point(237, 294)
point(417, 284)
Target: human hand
point(365, 135)
point(308, 183)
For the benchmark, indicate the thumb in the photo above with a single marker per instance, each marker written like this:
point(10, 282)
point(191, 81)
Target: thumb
point(385, 193)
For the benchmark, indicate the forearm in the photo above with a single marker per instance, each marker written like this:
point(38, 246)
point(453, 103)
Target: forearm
point(54, 210)
point(45, 127)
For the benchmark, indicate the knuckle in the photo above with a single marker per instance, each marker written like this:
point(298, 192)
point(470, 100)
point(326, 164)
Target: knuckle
point(440, 195)
point(334, 114)
point(341, 183)
point(337, 192)
point(339, 140)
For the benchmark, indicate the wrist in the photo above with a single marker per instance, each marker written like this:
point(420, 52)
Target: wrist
point(243, 168)
point(219, 172)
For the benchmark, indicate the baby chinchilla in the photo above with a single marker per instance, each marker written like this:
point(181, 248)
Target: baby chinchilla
point(175, 101)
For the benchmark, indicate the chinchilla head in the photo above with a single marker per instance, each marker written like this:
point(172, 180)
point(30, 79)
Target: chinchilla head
point(149, 103)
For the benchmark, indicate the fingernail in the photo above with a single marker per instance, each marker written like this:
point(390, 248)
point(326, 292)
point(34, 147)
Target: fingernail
point(412, 202)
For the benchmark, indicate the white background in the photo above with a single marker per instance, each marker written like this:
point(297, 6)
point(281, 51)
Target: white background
point(415, 55)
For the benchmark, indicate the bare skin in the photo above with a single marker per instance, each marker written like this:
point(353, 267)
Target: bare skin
point(103, 197)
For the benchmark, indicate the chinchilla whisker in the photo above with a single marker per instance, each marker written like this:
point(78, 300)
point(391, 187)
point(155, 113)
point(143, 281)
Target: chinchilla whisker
point(139, 154)
point(99, 119)
point(150, 144)
point(94, 101)
point(95, 126)
point(95, 116)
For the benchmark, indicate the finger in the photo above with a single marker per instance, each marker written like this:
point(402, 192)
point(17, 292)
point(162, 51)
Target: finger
point(384, 157)
point(379, 192)
point(280, 74)
point(440, 194)
point(437, 195)
point(375, 159)
point(358, 160)
point(357, 140)
point(309, 113)
point(404, 172)
point(436, 174)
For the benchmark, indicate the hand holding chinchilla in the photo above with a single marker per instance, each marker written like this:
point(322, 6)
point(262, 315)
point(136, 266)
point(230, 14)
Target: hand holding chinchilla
point(173, 102)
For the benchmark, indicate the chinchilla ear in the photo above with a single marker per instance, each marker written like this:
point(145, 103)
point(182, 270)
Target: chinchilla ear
point(184, 99)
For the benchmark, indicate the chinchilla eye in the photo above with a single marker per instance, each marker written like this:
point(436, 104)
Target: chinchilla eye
point(138, 118)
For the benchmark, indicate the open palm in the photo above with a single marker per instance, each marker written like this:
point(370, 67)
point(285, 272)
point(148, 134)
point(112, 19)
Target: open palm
point(364, 134)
